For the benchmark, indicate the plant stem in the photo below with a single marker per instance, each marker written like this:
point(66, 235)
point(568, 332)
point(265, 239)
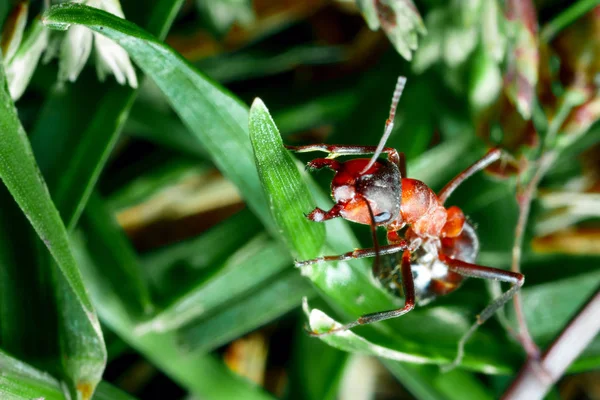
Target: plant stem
point(568, 345)
point(566, 18)
point(524, 201)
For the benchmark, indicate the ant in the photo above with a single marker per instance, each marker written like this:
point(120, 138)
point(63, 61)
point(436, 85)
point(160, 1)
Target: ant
point(439, 246)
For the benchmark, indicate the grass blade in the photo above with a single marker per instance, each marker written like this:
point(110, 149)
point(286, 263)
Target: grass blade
point(19, 381)
point(278, 296)
point(249, 267)
point(73, 176)
point(214, 116)
point(121, 260)
point(199, 373)
point(289, 196)
point(22, 178)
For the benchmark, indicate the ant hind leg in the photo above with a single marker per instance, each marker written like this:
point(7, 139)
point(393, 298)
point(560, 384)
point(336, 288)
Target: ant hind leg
point(479, 271)
point(409, 302)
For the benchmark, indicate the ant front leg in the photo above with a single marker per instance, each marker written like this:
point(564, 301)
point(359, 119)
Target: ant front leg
point(409, 302)
point(319, 215)
point(359, 253)
point(478, 271)
point(335, 150)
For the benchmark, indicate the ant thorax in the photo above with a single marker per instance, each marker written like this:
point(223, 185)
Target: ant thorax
point(431, 276)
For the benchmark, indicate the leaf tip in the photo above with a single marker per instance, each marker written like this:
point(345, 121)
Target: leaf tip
point(257, 104)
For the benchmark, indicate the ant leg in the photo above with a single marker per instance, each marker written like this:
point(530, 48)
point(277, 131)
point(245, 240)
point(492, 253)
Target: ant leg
point(402, 165)
point(409, 302)
point(491, 156)
point(359, 253)
point(479, 271)
point(335, 150)
point(319, 163)
point(319, 215)
point(376, 268)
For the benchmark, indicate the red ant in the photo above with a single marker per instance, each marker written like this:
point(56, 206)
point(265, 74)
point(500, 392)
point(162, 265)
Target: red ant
point(439, 246)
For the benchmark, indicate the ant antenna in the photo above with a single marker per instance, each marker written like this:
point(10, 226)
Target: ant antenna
point(389, 124)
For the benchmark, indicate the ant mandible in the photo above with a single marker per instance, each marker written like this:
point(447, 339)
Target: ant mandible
point(438, 246)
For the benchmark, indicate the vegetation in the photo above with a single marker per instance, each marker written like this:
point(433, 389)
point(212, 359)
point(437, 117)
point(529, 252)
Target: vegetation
point(150, 217)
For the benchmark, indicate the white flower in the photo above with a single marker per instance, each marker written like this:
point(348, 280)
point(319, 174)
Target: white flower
point(110, 57)
point(21, 67)
point(74, 52)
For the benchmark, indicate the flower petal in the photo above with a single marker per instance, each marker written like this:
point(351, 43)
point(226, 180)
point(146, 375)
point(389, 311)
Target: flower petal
point(20, 69)
point(111, 58)
point(74, 52)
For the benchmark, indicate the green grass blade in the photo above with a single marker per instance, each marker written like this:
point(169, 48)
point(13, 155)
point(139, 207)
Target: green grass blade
point(214, 116)
point(278, 296)
point(21, 176)
point(20, 381)
point(22, 276)
point(199, 373)
point(552, 313)
point(249, 267)
point(73, 176)
point(167, 267)
point(106, 391)
point(70, 347)
point(123, 268)
point(288, 195)
point(426, 382)
point(351, 288)
point(83, 353)
point(316, 368)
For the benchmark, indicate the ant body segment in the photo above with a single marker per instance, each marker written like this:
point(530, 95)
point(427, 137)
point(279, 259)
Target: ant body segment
point(438, 246)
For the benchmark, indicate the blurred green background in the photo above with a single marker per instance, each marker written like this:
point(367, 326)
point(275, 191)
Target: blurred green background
point(148, 234)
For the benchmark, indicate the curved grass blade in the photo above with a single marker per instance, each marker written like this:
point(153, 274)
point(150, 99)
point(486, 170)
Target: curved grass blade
point(21, 176)
point(106, 391)
point(167, 267)
point(73, 173)
point(214, 116)
point(122, 264)
point(351, 286)
point(20, 381)
point(277, 296)
point(289, 197)
point(199, 373)
point(220, 122)
point(316, 368)
point(427, 382)
point(248, 268)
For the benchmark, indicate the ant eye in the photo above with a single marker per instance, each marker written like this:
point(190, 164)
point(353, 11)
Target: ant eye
point(384, 216)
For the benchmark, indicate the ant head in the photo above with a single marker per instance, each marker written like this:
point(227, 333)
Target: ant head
point(379, 187)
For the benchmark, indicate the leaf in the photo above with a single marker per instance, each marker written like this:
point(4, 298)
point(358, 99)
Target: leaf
point(552, 312)
point(427, 382)
point(351, 288)
point(74, 171)
point(122, 265)
point(167, 267)
point(249, 267)
point(316, 368)
point(19, 173)
point(23, 276)
point(288, 196)
point(19, 381)
point(107, 391)
point(215, 117)
point(200, 373)
point(276, 297)
point(399, 19)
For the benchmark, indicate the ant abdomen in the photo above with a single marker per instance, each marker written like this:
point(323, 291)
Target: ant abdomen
point(380, 186)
